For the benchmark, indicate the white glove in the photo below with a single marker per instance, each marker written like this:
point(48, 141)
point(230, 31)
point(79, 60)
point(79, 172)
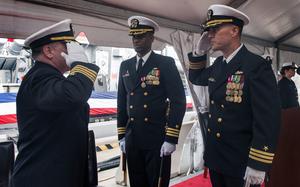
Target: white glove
point(253, 176)
point(75, 54)
point(167, 149)
point(203, 45)
point(122, 145)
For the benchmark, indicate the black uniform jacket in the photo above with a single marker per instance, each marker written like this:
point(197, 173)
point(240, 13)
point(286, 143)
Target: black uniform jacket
point(53, 116)
point(144, 114)
point(244, 114)
point(288, 93)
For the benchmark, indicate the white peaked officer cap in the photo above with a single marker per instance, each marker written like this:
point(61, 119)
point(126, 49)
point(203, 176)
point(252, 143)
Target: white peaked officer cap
point(61, 31)
point(140, 25)
point(289, 65)
point(221, 14)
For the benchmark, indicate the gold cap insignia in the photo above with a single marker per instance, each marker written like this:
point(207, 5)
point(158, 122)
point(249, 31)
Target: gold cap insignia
point(134, 23)
point(210, 13)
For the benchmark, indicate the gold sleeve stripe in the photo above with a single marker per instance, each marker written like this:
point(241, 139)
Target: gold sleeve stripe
point(260, 159)
point(168, 134)
point(195, 68)
point(196, 64)
point(172, 129)
point(261, 152)
point(168, 131)
point(88, 76)
point(74, 72)
point(261, 156)
point(175, 134)
point(86, 70)
point(119, 130)
point(121, 127)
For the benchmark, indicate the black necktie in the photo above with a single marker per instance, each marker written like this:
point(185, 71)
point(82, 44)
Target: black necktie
point(224, 64)
point(140, 65)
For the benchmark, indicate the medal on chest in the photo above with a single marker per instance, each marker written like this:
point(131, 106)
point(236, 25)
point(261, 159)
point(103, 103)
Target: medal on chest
point(234, 88)
point(143, 84)
point(152, 78)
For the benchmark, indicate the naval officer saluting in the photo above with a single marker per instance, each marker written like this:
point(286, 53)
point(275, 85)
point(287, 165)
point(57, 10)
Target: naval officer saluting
point(52, 111)
point(244, 113)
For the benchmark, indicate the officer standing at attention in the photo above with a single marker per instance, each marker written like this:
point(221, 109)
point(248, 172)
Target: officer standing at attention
point(244, 112)
point(151, 106)
point(287, 88)
point(52, 111)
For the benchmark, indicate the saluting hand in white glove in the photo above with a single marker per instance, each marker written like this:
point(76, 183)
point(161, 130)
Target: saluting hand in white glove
point(167, 149)
point(253, 176)
point(75, 53)
point(203, 45)
point(122, 145)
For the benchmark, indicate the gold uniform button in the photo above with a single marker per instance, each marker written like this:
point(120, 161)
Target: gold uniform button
point(220, 120)
point(131, 119)
point(145, 93)
point(131, 93)
point(208, 130)
point(222, 106)
point(209, 115)
point(145, 106)
point(131, 106)
point(146, 119)
point(212, 102)
point(218, 135)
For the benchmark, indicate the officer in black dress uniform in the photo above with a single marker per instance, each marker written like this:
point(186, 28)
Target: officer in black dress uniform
point(151, 106)
point(287, 88)
point(52, 111)
point(244, 112)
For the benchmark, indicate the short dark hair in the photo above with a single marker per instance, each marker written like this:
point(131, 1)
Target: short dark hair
point(240, 30)
point(285, 68)
point(36, 52)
